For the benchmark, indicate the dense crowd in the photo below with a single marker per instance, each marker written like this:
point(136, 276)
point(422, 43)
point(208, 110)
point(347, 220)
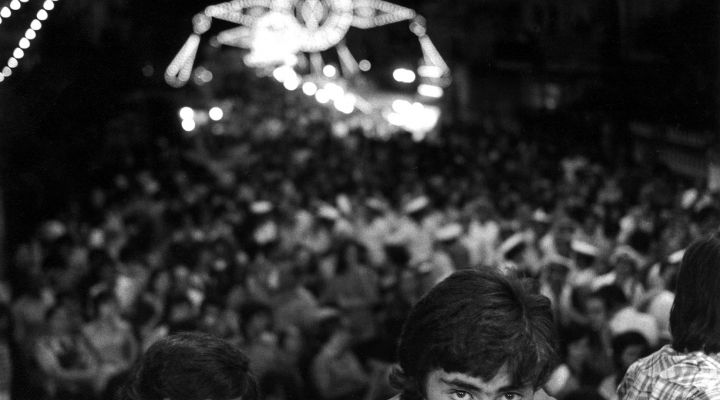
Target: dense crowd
point(306, 246)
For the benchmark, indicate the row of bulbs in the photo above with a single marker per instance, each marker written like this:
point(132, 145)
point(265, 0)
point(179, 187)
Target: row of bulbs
point(30, 34)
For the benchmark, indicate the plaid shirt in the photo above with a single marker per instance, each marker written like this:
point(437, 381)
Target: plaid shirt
point(669, 375)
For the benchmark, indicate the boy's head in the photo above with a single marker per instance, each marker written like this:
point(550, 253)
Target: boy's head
point(477, 333)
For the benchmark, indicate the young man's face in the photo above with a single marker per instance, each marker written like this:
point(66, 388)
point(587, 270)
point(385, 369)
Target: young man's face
point(441, 385)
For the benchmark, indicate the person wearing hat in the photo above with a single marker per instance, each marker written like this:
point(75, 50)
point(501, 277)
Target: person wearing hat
point(483, 233)
point(442, 264)
point(512, 255)
point(374, 230)
point(554, 284)
point(625, 263)
point(416, 231)
point(585, 256)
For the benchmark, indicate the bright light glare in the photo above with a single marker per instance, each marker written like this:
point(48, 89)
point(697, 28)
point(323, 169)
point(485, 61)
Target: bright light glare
point(12, 62)
point(215, 113)
point(396, 119)
point(346, 104)
point(35, 25)
point(42, 15)
point(400, 106)
point(404, 75)
point(48, 5)
point(18, 53)
point(329, 71)
point(322, 96)
point(30, 34)
point(15, 4)
point(309, 88)
point(334, 90)
point(281, 74)
point(292, 83)
point(187, 113)
point(430, 71)
point(188, 125)
point(5, 12)
point(24, 43)
point(430, 90)
point(364, 65)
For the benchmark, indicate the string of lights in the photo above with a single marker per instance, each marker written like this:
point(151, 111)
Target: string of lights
point(30, 34)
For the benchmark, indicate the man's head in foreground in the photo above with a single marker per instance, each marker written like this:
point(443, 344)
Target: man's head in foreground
point(476, 335)
point(191, 366)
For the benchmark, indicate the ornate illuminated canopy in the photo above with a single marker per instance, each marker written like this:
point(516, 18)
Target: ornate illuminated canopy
point(275, 31)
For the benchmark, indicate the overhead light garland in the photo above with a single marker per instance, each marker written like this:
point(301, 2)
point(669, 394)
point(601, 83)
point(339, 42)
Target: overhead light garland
point(306, 26)
point(30, 34)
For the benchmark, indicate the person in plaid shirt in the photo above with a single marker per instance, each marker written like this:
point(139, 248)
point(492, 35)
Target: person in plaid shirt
point(689, 368)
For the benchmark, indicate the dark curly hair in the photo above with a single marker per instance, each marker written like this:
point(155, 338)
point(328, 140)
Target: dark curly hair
point(189, 366)
point(477, 322)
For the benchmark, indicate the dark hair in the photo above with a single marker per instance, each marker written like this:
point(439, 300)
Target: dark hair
point(621, 342)
point(612, 297)
point(191, 366)
point(249, 310)
point(476, 322)
point(695, 315)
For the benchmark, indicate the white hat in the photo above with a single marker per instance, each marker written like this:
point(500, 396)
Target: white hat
point(416, 204)
point(584, 248)
point(449, 232)
point(328, 212)
point(628, 252)
point(343, 204)
point(557, 259)
point(676, 257)
point(375, 204)
point(541, 216)
point(511, 243)
point(261, 207)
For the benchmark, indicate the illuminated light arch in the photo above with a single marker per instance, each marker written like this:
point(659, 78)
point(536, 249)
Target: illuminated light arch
point(25, 42)
point(308, 26)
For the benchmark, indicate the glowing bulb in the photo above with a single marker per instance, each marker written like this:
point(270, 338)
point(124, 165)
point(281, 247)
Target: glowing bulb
point(322, 96)
point(18, 53)
point(5, 12)
point(309, 88)
point(42, 15)
point(48, 5)
point(364, 65)
point(215, 113)
point(12, 62)
point(187, 113)
point(0, 20)
point(2, 77)
point(24, 43)
point(35, 25)
point(30, 34)
point(188, 125)
point(7, 71)
point(329, 71)
point(430, 90)
point(400, 106)
point(292, 83)
point(15, 4)
point(334, 90)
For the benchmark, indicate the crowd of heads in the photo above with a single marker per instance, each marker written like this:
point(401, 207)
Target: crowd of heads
point(305, 241)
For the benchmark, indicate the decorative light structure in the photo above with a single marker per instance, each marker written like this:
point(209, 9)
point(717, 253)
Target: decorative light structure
point(30, 34)
point(275, 31)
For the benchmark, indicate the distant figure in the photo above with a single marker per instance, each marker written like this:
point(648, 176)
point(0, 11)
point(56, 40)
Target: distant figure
point(689, 368)
point(477, 335)
point(191, 366)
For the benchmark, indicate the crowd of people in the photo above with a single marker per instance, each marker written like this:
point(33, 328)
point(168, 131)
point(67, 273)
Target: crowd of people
point(306, 246)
